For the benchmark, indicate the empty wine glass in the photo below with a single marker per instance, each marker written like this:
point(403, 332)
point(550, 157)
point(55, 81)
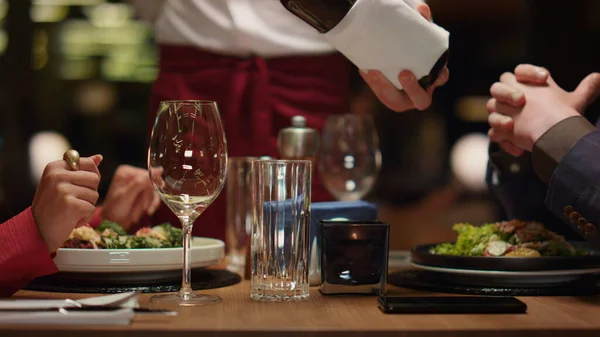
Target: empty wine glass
point(350, 159)
point(187, 162)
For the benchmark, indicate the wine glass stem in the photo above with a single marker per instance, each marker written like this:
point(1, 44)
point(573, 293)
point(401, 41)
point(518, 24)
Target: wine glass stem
point(186, 286)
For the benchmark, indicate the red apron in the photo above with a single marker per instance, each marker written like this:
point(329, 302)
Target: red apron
point(257, 97)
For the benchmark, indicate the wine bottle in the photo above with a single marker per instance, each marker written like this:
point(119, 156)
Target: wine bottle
point(322, 15)
point(381, 28)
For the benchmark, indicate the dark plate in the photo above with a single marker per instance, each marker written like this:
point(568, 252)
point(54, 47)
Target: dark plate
point(584, 285)
point(421, 255)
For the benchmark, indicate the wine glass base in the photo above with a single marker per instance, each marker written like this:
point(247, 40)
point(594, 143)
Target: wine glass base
point(185, 300)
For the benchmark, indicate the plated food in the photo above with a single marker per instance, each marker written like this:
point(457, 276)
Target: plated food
point(125, 265)
point(110, 235)
point(514, 238)
point(108, 254)
point(507, 254)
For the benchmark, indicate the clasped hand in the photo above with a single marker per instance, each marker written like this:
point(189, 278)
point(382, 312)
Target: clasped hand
point(527, 103)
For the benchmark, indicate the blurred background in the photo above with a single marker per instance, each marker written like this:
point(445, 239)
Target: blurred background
point(80, 72)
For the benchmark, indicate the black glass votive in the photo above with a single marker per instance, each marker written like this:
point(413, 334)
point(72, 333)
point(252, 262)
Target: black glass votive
point(354, 257)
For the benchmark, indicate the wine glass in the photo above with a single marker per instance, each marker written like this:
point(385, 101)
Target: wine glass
point(350, 159)
point(187, 163)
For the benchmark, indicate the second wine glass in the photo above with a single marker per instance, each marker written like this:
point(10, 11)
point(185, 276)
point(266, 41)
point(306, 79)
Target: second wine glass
point(349, 159)
point(187, 162)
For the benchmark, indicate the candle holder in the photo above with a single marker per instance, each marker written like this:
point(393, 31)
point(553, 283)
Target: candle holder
point(354, 257)
point(331, 211)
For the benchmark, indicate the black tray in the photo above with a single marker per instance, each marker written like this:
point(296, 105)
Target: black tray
point(421, 255)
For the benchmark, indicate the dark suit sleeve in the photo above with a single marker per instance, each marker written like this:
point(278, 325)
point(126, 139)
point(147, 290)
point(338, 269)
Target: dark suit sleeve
point(573, 188)
point(554, 144)
point(568, 158)
point(514, 185)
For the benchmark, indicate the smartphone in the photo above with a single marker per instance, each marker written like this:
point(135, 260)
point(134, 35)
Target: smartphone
point(451, 305)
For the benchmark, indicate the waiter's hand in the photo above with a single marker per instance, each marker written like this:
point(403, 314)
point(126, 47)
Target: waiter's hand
point(413, 96)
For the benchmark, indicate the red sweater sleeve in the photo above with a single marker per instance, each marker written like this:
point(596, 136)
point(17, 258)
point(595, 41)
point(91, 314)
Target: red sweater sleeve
point(96, 220)
point(23, 254)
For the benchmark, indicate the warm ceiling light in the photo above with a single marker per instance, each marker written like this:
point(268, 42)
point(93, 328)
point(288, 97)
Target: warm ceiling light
point(68, 2)
point(472, 109)
point(109, 15)
point(3, 9)
point(46, 13)
point(468, 161)
point(3, 41)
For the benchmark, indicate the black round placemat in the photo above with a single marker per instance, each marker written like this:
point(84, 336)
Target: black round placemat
point(201, 279)
point(431, 281)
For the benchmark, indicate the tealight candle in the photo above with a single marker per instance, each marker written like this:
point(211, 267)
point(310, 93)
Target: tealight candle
point(354, 257)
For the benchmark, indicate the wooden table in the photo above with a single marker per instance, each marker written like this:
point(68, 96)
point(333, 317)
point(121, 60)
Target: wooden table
point(346, 316)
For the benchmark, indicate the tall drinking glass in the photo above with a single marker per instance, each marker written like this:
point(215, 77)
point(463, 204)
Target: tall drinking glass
point(350, 158)
point(280, 229)
point(187, 163)
point(239, 211)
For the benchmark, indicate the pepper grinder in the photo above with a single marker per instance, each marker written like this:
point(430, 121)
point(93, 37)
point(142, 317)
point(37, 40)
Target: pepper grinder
point(298, 142)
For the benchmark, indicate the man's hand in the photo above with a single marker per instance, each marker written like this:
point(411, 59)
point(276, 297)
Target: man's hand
point(413, 96)
point(65, 199)
point(544, 106)
point(507, 95)
point(130, 196)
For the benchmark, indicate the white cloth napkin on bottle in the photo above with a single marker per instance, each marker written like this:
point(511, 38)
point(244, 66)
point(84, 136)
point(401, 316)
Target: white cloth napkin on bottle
point(10, 313)
point(389, 36)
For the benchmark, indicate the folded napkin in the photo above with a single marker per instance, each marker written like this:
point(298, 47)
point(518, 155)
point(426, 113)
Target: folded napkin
point(10, 313)
point(119, 317)
point(389, 36)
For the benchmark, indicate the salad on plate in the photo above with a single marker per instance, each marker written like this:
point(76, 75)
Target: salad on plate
point(514, 238)
point(110, 235)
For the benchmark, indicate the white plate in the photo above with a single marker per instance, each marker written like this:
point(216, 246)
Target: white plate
point(399, 259)
point(512, 278)
point(205, 252)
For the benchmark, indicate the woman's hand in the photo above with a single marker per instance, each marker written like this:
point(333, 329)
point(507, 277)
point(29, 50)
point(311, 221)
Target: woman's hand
point(130, 196)
point(65, 199)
